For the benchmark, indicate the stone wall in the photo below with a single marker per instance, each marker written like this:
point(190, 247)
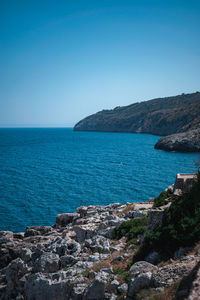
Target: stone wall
point(183, 182)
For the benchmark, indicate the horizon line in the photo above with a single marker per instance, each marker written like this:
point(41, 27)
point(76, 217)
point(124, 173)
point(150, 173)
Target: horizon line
point(40, 127)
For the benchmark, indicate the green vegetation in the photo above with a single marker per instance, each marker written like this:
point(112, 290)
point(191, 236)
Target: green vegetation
point(161, 199)
point(86, 272)
point(131, 228)
point(131, 242)
point(122, 274)
point(180, 228)
point(100, 251)
point(161, 116)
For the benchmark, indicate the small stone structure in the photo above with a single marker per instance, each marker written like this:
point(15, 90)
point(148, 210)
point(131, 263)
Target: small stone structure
point(183, 183)
point(155, 218)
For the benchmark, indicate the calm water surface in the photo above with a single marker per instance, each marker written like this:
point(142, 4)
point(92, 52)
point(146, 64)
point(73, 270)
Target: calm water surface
point(44, 172)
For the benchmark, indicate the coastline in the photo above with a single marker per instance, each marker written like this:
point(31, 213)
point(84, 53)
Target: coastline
point(66, 250)
point(88, 254)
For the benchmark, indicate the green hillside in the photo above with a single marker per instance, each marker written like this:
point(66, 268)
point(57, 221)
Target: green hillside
point(162, 116)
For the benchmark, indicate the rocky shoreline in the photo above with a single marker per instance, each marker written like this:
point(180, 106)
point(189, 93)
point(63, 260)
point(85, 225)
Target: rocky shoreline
point(78, 258)
point(56, 262)
point(181, 142)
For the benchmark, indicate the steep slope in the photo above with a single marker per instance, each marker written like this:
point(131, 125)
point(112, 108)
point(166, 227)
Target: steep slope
point(180, 226)
point(162, 116)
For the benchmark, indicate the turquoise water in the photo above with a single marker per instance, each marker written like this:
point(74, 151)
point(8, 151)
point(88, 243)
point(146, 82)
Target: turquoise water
point(44, 172)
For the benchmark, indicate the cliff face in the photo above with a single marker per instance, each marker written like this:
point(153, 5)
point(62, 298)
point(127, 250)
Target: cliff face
point(163, 116)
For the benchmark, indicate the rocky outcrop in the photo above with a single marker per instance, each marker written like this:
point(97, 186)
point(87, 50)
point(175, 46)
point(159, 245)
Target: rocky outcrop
point(149, 276)
point(67, 218)
point(142, 281)
point(57, 286)
point(194, 293)
point(77, 258)
point(141, 267)
point(181, 142)
point(161, 116)
point(56, 262)
point(96, 289)
point(47, 263)
point(167, 275)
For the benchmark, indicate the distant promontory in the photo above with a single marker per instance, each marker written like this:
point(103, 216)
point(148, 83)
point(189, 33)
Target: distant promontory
point(161, 116)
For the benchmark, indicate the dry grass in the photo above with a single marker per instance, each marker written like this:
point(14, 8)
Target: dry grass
point(120, 267)
point(151, 294)
point(102, 264)
point(129, 207)
point(168, 262)
point(116, 242)
point(195, 249)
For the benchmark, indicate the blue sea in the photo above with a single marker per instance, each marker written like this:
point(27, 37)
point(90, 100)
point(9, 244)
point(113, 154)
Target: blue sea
point(44, 172)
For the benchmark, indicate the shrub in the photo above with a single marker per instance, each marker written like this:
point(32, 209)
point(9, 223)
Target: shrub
point(131, 228)
point(86, 272)
point(180, 228)
point(122, 274)
point(161, 199)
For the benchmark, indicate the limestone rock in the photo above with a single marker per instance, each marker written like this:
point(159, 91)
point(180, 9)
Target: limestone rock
point(113, 286)
point(37, 230)
point(78, 291)
point(123, 288)
point(47, 263)
point(67, 260)
point(168, 274)
point(182, 142)
point(40, 287)
point(26, 254)
point(96, 289)
point(62, 246)
point(18, 235)
point(82, 211)
point(98, 243)
point(5, 236)
point(195, 288)
point(14, 272)
point(108, 270)
point(65, 219)
point(141, 267)
point(140, 282)
point(83, 232)
point(57, 262)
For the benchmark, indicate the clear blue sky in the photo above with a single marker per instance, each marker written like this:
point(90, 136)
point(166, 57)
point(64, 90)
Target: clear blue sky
point(63, 60)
